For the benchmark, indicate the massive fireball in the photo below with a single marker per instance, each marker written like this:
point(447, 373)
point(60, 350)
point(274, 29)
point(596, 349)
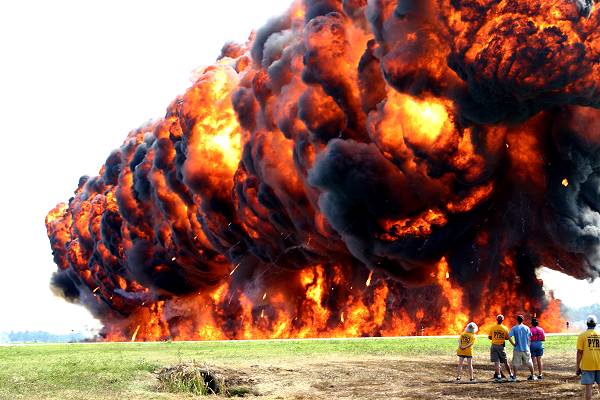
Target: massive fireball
point(358, 168)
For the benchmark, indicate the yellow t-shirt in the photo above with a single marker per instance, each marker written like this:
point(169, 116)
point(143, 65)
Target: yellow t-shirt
point(499, 334)
point(589, 342)
point(465, 339)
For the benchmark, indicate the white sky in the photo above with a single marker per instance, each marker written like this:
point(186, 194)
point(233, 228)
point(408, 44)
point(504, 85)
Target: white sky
point(75, 77)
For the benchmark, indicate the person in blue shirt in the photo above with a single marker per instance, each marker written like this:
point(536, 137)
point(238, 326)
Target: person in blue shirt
point(520, 337)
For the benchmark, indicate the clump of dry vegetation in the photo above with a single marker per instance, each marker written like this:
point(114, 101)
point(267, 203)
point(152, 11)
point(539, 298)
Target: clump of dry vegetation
point(191, 378)
point(198, 380)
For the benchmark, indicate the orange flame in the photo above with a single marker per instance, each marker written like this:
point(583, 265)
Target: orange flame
point(370, 313)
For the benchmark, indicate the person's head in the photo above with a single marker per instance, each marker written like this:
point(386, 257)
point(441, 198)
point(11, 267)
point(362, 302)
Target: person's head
point(520, 319)
point(534, 322)
point(472, 327)
point(500, 318)
point(591, 321)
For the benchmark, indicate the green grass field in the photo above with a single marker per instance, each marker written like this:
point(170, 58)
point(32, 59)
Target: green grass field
point(125, 370)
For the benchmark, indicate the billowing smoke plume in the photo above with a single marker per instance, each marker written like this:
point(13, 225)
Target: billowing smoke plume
point(357, 168)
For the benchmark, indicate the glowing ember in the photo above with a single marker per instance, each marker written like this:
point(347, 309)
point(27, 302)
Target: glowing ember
point(234, 269)
point(346, 138)
point(368, 282)
point(134, 336)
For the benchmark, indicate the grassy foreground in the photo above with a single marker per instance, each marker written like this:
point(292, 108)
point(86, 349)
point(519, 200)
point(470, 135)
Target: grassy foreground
point(125, 370)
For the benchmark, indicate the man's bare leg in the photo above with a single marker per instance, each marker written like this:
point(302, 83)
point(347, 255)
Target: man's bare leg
point(530, 365)
point(497, 369)
point(587, 392)
point(512, 372)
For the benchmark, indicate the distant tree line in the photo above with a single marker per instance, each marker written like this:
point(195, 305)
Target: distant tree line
point(40, 337)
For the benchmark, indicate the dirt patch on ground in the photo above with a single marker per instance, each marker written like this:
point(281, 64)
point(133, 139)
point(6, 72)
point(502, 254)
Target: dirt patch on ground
point(397, 378)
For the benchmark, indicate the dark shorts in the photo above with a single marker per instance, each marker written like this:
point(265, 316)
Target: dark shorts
point(589, 377)
point(537, 351)
point(536, 348)
point(465, 356)
point(497, 353)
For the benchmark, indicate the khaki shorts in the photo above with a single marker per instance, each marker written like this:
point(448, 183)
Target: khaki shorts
point(497, 353)
point(521, 358)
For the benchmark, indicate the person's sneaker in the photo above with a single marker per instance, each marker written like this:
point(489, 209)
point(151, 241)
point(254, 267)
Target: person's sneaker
point(512, 378)
point(532, 378)
point(472, 379)
point(498, 378)
point(540, 377)
point(457, 379)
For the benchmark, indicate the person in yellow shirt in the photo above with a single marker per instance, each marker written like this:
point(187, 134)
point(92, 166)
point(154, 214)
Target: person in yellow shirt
point(498, 335)
point(588, 357)
point(465, 350)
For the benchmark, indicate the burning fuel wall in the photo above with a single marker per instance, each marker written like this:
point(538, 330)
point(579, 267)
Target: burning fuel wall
point(357, 168)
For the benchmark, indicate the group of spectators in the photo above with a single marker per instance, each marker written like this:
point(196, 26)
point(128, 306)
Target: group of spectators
point(528, 351)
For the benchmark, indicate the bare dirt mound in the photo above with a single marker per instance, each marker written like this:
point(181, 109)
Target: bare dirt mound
point(394, 378)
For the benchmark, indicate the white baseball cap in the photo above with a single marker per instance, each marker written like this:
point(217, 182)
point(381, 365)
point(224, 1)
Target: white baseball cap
point(591, 319)
point(472, 327)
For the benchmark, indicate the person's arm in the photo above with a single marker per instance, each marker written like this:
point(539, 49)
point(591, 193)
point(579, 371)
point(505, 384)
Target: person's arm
point(580, 345)
point(543, 335)
point(471, 343)
point(510, 337)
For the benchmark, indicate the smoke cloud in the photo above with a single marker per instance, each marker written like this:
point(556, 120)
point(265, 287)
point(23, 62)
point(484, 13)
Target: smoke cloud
point(355, 168)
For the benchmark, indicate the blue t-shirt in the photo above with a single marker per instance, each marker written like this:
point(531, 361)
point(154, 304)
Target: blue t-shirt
point(521, 333)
